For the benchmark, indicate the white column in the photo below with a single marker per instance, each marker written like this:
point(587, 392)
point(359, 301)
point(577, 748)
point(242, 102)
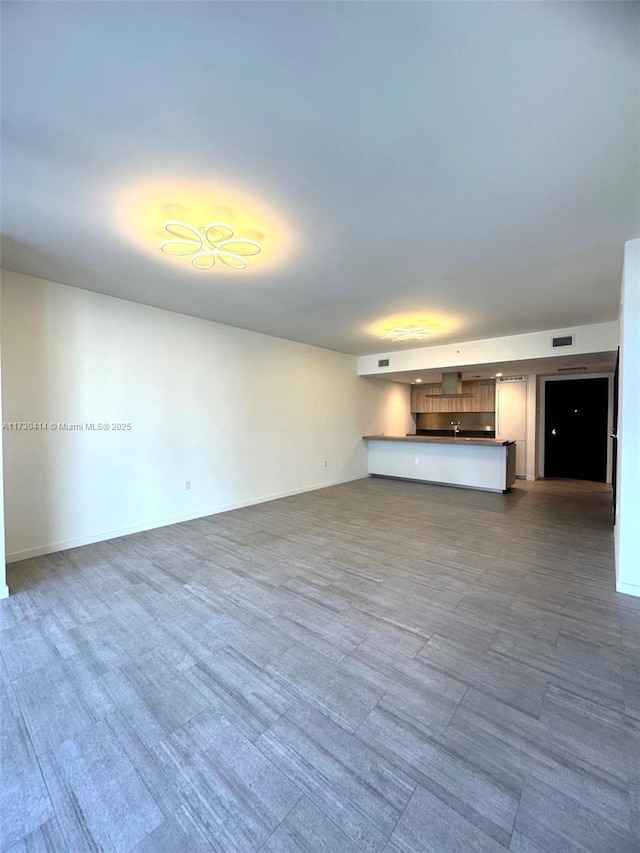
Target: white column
point(4, 589)
point(627, 536)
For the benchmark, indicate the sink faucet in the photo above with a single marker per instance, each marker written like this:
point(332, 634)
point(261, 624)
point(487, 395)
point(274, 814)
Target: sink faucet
point(456, 428)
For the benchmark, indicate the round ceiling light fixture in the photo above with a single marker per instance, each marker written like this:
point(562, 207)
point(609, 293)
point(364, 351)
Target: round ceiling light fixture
point(204, 247)
point(408, 333)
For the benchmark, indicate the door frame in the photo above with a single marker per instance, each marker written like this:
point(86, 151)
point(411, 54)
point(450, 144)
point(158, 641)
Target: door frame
point(542, 416)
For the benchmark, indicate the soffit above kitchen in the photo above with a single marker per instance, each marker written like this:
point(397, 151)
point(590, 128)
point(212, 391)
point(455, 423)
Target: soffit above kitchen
point(470, 169)
point(571, 366)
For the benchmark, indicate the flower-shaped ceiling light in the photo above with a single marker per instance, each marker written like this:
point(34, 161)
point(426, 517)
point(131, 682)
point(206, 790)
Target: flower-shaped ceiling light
point(408, 333)
point(206, 246)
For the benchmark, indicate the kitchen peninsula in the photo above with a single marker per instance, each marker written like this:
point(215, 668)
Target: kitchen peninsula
point(472, 463)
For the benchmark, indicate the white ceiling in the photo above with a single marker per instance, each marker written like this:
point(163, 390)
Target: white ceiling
point(472, 162)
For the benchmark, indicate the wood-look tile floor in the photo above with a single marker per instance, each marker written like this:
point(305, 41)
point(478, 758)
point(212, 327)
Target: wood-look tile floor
point(378, 666)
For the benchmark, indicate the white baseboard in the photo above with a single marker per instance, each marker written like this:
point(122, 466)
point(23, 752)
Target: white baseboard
point(628, 588)
point(65, 545)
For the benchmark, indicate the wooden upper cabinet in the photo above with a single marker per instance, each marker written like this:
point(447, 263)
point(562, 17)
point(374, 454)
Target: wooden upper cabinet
point(485, 395)
point(427, 398)
point(418, 397)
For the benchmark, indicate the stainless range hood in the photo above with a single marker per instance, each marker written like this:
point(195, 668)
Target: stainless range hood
point(451, 386)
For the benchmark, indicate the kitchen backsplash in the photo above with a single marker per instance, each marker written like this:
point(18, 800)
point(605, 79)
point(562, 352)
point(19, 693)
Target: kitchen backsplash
point(467, 420)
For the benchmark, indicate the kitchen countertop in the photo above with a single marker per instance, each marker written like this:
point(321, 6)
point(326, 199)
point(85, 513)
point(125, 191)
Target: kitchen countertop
point(438, 439)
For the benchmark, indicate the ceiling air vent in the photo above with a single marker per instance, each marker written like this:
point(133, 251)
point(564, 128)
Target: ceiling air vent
point(571, 369)
point(511, 379)
point(563, 341)
point(383, 362)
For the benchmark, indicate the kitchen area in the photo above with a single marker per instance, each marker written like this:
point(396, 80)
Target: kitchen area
point(469, 432)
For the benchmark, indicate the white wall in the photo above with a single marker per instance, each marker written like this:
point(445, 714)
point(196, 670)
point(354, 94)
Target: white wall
point(598, 337)
point(628, 492)
point(532, 425)
point(243, 416)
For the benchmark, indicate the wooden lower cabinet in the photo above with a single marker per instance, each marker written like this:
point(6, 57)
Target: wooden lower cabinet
point(427, 398)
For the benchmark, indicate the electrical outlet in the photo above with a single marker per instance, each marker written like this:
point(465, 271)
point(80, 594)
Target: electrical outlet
point(324, 463)
point(187, 485)
point(417, 461)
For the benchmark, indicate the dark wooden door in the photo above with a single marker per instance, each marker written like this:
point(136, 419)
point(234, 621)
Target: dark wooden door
point(576, 437)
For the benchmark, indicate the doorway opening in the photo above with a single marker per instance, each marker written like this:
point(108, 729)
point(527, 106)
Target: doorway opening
point(576, 421)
